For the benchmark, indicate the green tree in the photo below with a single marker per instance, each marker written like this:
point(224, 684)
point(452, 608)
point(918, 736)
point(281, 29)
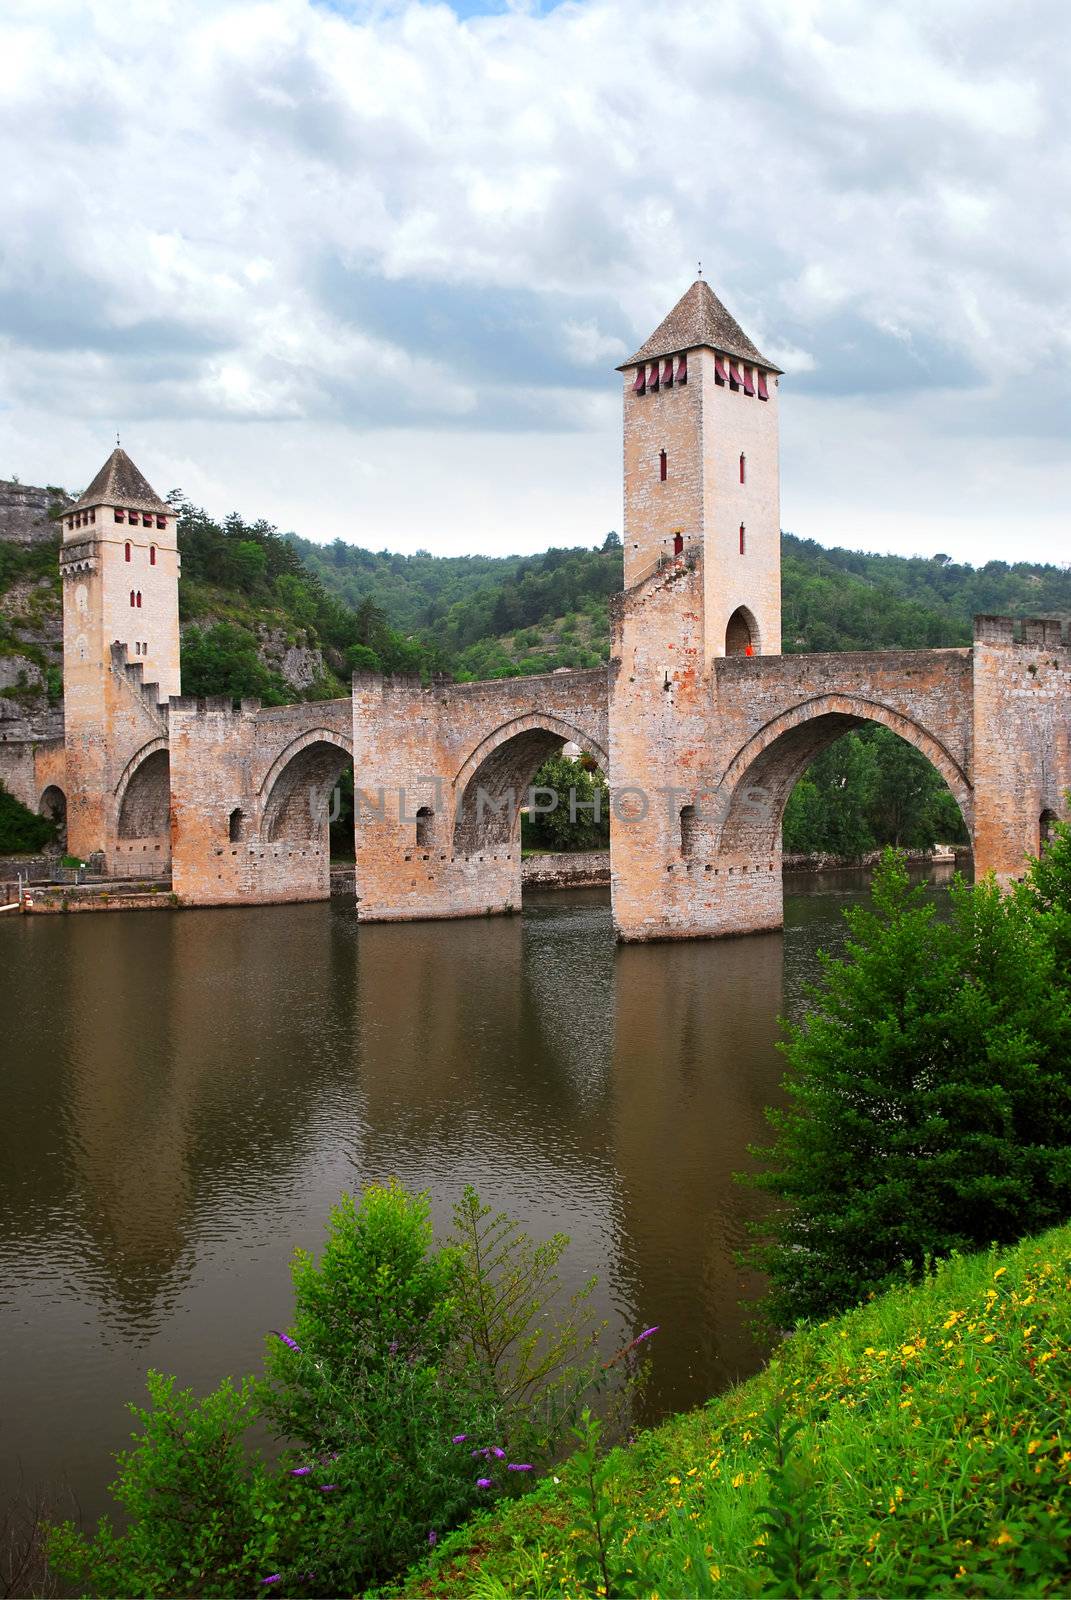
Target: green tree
point(580, 819)
point(929, 1097)
point(21, 830)
point(224, 660)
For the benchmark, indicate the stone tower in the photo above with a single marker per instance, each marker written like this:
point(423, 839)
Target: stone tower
point(120, 566)
point(701, 469)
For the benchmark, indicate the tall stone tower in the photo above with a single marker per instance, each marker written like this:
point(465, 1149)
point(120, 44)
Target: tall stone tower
point(701, 469)
point(120, 566)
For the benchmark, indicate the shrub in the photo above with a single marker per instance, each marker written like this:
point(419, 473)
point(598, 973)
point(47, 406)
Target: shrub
point(21, 831)
point(929, 1097)
point(405, 1367)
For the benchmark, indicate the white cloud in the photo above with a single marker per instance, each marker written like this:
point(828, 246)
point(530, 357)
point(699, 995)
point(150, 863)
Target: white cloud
point(281, 225)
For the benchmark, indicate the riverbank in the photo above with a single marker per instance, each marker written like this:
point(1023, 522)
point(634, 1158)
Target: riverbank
point(924, 1449)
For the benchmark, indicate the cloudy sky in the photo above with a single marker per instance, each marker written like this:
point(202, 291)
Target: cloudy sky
point(365, 267)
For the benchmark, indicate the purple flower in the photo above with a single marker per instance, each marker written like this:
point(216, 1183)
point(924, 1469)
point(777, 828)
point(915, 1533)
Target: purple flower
point(483, 1483)
point(519, 1466)
point(495, 1451)
point(646, 1334)
point(393, 1347)
point(276, 1577)
point(291, 1344)
point(459, 1438)
point(325, 1488)
point(432, 1536)
point(299, 1472)
point(484, 1452)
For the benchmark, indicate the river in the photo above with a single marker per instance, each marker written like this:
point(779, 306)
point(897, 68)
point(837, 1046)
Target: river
point(186, 1094)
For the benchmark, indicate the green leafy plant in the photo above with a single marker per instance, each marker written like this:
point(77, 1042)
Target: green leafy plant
point(929, 1096)
point(535, 1365)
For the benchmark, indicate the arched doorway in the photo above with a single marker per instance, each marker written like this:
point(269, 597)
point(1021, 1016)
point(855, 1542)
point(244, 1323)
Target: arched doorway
point(1046, 828)
point(143, 824)
point(53, 805)
point(145, 805)
point(742, 634)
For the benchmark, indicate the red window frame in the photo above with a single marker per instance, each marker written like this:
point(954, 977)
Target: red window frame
point(663, 466)
point(743, 538)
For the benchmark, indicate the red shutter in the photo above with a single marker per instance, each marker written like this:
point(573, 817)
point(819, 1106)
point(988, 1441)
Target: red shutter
point(742, 536)
point(735, 380)
point(652, 379)
point(641, 380)
point(719, 371)
point(152, 555)
point(682, 369)
point(762, 386)
point(139, 598)
point(667, 373)
point(663, 466)
point(743, 466)
point(749, 387)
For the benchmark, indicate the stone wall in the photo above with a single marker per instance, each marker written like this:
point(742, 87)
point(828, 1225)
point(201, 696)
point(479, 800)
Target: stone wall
point(581, 869)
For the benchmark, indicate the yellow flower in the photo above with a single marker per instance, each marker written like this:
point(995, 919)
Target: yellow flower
point(715, 1574)
point(989, 1338)
point(738, 1480)
point(1050, 1355)
point(675, 1481)
point(1035, 1444)
point(908, 1350)
point(999, 1273)
point(1004, 1537)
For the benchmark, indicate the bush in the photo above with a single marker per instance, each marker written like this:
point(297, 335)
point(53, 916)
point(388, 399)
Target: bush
point(21, 831)
point(406, 1373)
point(929, 1097)
point(575, 825)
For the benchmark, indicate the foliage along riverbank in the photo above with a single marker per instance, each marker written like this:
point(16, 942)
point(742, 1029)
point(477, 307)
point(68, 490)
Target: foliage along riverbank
point(919, 1445)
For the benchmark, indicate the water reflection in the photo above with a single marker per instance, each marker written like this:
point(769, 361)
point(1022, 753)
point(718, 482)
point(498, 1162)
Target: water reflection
point(187, 1096)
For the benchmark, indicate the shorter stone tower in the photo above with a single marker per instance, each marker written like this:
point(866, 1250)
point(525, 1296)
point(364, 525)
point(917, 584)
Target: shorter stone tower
point(120, 566)
point(701, 469)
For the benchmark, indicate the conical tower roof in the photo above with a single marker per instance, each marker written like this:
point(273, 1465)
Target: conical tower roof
point(699, 321)
point(119, 483)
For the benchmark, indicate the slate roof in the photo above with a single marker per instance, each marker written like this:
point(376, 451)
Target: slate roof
point(119, 483)
point(699, 321)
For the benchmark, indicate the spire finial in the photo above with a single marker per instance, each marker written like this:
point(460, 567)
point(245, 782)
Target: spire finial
point(117, 446)
point(700, 269)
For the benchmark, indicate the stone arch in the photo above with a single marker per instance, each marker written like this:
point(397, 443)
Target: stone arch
point(501, 768)
point(53, 805)
point(143, 798)
point(1046, 827)
point(758, 781)
point(295, 796)
point(742, 633)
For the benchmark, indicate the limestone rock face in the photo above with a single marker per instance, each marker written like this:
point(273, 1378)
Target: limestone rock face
point(24, 511)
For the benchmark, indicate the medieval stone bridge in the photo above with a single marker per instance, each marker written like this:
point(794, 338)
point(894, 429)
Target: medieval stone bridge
point(701, 725)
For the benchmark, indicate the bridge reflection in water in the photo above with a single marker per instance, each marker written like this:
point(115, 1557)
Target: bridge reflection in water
point(187, 1095)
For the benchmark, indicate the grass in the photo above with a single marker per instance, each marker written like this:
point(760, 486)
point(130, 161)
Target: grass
point(919, 1445)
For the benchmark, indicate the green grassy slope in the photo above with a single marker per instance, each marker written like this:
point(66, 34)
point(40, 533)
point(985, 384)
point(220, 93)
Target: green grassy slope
point(933, 1450)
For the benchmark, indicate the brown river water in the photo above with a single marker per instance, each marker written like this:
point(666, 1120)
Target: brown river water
point(186, 1094)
